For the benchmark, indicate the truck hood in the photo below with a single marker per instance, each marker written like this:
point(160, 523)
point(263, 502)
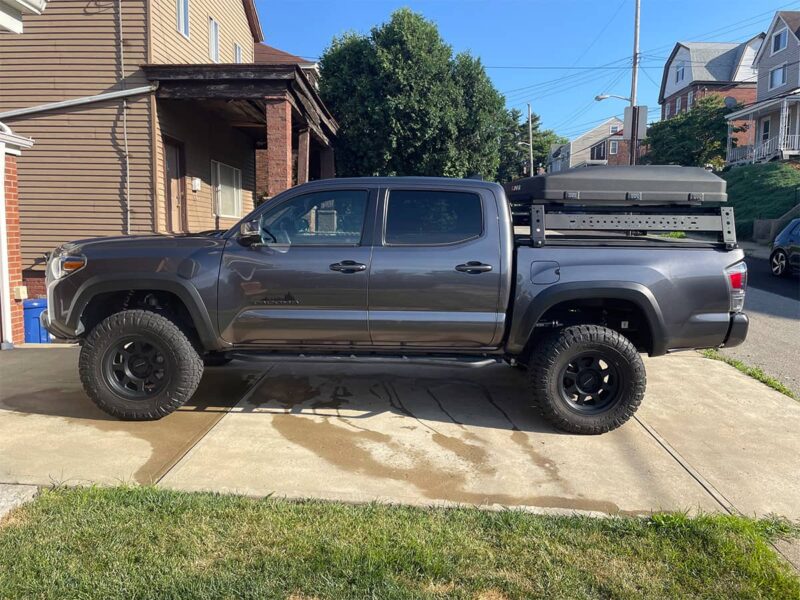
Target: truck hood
point(190, 240)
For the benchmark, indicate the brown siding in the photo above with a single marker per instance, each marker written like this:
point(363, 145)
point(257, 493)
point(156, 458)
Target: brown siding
point(72, 180)
point(204, 138)
point(170, 46)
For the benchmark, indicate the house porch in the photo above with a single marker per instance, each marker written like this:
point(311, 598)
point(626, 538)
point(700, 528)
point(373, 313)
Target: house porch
point(230, 136)
point(775, 125)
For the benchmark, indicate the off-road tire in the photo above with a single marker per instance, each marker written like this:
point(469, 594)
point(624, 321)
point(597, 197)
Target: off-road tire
point(552, 356)
point(182, 365)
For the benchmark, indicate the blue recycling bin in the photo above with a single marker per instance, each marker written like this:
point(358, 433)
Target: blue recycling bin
point(34, 332)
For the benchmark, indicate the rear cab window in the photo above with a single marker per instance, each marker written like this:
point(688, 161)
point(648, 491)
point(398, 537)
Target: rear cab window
point(431, 217)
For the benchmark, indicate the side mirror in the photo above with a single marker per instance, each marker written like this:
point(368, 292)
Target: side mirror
point(249, 233)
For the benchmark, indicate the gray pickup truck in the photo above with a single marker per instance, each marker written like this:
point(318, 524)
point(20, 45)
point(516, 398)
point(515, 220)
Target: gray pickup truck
point(417, 268)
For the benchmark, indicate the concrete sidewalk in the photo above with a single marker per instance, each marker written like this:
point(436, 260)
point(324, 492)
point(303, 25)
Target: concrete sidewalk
point(707, 438)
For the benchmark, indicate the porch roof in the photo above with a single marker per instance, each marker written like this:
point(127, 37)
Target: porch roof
point(761, 107)
point(240, 92)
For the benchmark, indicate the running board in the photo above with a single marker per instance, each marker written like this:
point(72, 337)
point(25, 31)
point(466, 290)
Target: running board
point(441, 361)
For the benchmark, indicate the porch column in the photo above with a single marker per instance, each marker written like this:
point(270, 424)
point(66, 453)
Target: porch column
point(783, 129)
point(279, 144)
point(730, 142)
point(303, 154)
point(327, 164)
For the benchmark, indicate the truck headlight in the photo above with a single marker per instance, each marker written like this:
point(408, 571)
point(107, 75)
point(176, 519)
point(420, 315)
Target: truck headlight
point(62, 265)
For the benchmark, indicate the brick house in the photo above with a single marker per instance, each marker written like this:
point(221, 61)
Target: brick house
point(147, 117)
point(697, 69)
point(773, 117)
point(11, 146)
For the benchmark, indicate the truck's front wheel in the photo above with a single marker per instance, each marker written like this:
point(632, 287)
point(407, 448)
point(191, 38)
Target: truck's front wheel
point(138, 365)
point(587, 379)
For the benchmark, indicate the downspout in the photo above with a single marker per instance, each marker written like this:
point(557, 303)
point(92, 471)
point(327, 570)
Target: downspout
point(124, 123)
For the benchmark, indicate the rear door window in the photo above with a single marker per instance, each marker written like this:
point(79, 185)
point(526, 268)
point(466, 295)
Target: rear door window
point(432, 217)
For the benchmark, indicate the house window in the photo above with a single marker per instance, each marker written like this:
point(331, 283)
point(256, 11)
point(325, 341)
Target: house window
point(614, 129)
point(777, 77)
point(677, 105)
point(598, 151)
point(237, 53)
point(689, 99)
point(765, 130)
point(680, 71)
point(213, 39)
point(226, 181)
point(613, 147)
point(182, 7)
point(779, 40)
point(666, 110)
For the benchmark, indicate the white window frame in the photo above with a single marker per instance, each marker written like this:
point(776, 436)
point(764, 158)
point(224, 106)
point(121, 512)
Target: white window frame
point(677, 105)
point(771, 87)
point(613, 147)
point(215, 187)
point(213, 39)
point(785, 32)
point(680, 71)
point(237, 53)
point(182, 17)
point(689, 99)
point(613, 129)
point(768, 122)
point(666, 110)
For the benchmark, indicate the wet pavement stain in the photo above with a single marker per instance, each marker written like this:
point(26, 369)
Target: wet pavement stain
point(168, 438)
point(332, 439)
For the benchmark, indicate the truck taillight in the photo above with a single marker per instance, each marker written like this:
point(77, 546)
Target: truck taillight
point(737, 285)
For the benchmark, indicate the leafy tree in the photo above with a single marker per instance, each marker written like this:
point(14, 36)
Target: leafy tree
point(693, 138)
point(407, 106)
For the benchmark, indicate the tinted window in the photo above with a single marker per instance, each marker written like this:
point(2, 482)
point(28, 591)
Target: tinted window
point(432, 217)
point(333, 218)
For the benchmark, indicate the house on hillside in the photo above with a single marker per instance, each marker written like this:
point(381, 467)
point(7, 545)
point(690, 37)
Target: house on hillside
point(774, 116)
point(579, 151)
point(149, 120)
point(697, 69)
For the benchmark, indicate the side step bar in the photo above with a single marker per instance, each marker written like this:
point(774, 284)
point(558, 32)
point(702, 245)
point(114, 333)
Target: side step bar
point(471, 362)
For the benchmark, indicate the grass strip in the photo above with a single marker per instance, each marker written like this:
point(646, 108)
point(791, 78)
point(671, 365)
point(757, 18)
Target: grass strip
point(753, 372)
point(143, 542)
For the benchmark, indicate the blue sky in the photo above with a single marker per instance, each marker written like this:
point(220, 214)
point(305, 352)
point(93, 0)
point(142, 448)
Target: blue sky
point(555, 34)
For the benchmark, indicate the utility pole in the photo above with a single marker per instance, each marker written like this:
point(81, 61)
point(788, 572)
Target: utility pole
point(634, 141)
point(530, 142)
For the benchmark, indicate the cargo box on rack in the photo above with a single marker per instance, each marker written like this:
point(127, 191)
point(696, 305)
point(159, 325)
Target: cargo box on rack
point(620, 186)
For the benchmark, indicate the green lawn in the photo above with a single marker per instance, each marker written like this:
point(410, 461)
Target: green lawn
point(763, 191)
point(150, 543)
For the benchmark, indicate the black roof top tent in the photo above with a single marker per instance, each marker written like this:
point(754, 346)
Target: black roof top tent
point(626, 186)
point(622, 199)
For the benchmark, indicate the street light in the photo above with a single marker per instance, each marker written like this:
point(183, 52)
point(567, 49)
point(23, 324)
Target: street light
point(600, 97)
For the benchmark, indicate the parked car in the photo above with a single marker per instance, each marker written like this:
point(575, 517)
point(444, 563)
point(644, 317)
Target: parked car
point(785, 256)
point(417, 268)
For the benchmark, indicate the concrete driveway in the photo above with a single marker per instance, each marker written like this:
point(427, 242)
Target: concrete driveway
point(707, 438)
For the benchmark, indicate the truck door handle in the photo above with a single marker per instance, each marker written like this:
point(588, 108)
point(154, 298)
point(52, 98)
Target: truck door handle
point(474, 267)
point(348, 266)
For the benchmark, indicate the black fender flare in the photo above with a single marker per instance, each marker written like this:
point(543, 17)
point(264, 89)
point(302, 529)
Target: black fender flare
point(633, 292)
point(162, 282)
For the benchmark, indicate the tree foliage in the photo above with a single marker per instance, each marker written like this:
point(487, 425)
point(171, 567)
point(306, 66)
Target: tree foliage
point(407, 106)
point(694, 138)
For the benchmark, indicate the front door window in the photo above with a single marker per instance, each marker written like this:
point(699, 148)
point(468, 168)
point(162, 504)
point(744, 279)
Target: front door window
point(765, 130)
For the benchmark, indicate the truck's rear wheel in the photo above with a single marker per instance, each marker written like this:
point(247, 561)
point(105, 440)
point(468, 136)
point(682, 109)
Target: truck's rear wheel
point(587, 379)
point(138, 365)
